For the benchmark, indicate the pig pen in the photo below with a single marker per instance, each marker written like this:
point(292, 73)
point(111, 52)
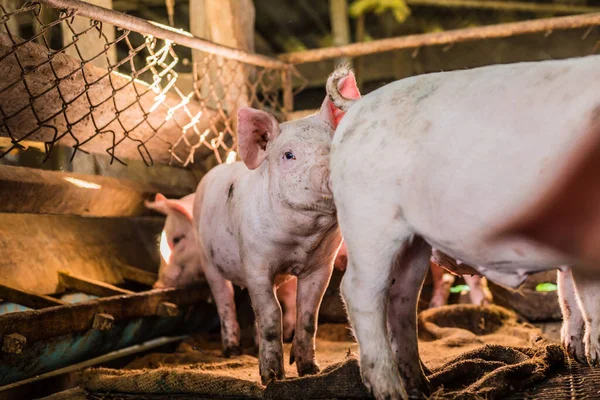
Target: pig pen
point(95, 89)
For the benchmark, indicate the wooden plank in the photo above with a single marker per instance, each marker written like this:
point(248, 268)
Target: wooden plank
point(58, 321)
point(137, 275)
point(35, 247)
point(28, 299)
point(111, 94)
point(89, 286)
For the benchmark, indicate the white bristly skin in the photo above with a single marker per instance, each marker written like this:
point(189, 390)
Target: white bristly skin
point(441, 160)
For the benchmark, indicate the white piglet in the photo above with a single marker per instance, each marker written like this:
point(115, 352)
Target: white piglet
point(442, 160)
point(269, 217)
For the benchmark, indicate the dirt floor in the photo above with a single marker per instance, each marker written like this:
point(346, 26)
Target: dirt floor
point(472, 352)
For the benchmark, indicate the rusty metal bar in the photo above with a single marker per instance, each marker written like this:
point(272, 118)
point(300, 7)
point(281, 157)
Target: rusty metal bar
point(506, 6)
point(432, 39)
point(163, 32)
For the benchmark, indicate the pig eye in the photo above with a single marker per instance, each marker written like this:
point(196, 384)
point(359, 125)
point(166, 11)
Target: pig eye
point(289, 155)
point(177, 239)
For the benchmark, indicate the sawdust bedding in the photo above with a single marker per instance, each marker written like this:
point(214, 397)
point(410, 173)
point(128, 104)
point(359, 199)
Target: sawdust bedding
point(472, 352)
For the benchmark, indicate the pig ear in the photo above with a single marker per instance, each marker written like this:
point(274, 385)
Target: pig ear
point(255, 130)
point(165, 206)
point(348, 88)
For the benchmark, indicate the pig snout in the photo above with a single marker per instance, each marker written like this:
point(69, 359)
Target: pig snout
point(158, 285)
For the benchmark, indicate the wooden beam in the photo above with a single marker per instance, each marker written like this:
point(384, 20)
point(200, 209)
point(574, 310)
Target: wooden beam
point(58, 321)
point(340, 26)
point(35, 247)
point(28, 299)
point(507, 6)
point(25, 190)
point(89, 286)
point(32, 101)
point(137, 275)
point(434, 39)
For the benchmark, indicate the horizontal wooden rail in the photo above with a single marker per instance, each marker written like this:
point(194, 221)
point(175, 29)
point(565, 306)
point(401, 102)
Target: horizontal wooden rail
point(89, 286)
point(432, 39)
point(28, 299)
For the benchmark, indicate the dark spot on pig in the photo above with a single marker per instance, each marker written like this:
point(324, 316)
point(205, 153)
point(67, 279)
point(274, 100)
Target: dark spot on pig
point(424, 90)
point(349, 133)
point(271, 334)
point(399, 213)
point(230, 192)
point(393, 281)
point(220, 268)
point(552, 75)
point(309, 323)
point(212, 251)
point(373, 125)
point(496, 263)
point(404, 300)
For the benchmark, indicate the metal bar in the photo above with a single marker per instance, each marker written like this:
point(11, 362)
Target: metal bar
point(163, 32)
point(432, 39)
point(127, 351)
point(89, 286)
point(507, 6)
point(27, 299)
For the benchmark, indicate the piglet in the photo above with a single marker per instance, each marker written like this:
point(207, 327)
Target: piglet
point(180, 259)
point(270, 217)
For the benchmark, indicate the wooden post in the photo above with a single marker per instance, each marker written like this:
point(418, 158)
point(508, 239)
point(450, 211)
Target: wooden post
point(103, 322)
point(14, 343)
point(288, 93)
point(90, 44)
point(229, 23)
point(340, 27)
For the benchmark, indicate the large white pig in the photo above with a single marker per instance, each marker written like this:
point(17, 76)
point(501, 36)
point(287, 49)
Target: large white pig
point(180, 259)
point(269, 217)
point(441, 160)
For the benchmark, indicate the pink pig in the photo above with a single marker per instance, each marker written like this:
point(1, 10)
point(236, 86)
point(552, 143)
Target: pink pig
point(180, 260)
point(266, 218)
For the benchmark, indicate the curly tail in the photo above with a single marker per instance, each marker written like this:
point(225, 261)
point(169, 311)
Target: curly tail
point(333, 91)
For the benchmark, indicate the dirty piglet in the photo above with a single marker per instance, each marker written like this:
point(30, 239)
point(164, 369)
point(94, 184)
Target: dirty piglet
point(270, 216)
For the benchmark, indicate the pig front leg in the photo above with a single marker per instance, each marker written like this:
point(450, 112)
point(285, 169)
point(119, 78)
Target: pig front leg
point(407, 279)
point(286, 293)
point(268, 319)
point(442, 282)
point(223, 294)
point(587, 287)
point(311, 289)
point(573, 327)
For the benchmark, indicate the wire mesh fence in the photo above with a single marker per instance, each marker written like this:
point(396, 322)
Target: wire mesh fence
point(95, 85)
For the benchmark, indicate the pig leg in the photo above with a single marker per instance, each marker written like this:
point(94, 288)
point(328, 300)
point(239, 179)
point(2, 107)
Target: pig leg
point(408, 275)
point(311, 289)
point(268, 317)
point(442, 282)
point(573, 328)
point(365, 288)
point(478, 291)
point(587, 288)
point(222, 292)
point(286, 293)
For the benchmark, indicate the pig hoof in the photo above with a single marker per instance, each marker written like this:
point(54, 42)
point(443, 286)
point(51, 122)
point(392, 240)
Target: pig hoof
point(311, 368)
point(383, 382)
point(574, 346)
point(592, 349)
point(232, 351)
point(271, 371)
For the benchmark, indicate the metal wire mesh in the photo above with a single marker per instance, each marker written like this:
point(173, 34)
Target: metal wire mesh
point(94, 86)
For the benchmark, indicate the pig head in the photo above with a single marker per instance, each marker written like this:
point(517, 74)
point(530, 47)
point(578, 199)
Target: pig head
point(180, 261)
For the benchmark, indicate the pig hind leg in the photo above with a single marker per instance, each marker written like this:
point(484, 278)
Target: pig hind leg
point(286, 294)
point(573, 327)
point(478, 291)
point(442, 282)
point(587, 288)
point(223, 294)
point(372, 240)
point(409, 273)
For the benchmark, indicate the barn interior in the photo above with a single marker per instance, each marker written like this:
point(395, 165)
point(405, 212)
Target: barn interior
point(106, 103)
